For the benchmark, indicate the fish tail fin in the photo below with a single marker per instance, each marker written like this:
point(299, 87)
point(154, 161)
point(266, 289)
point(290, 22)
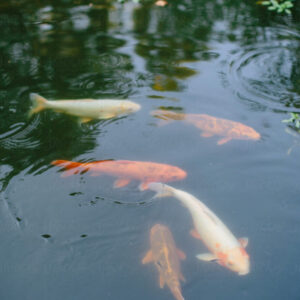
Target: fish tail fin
point(177, 293)
point(70, 167)
point(66, 164)
point(161, 189)
point(39, 103)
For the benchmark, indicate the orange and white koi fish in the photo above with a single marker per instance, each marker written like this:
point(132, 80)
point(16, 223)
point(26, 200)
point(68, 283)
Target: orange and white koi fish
point(211, 126)
point(165, 256)
point(85, 109)
point(224, 247)
point(125, 171)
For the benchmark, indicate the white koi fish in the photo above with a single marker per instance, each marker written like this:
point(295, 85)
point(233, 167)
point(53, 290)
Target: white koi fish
point(85, 109)
point(225, 248)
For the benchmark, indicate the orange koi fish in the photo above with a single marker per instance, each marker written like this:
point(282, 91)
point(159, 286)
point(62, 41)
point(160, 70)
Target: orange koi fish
point(211, 126)
point(165, 256)
point(125, 171)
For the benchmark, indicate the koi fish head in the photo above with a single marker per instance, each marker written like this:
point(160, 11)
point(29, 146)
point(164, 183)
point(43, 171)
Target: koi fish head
point(129, 107)
point(246, 133)
point(157, 228)
point(171, 173)
point(236, 259)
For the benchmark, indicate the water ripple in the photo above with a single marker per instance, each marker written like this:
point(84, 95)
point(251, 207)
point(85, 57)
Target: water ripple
point(266, 72)
point(19, 136)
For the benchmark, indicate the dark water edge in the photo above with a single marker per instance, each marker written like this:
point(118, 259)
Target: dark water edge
point(77, 237)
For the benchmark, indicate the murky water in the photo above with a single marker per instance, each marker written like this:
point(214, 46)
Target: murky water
point(80, 238)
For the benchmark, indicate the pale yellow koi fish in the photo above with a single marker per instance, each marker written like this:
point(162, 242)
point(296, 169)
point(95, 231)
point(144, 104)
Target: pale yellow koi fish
point(85, 109)
point(165, 256)
point(224, 247)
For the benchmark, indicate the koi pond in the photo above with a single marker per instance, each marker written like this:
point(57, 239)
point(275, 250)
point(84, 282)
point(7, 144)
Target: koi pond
point(209, 84)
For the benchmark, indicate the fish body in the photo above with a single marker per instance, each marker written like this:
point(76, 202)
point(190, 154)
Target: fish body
point(211, 126)
point(224, 246)
point(166, 257)
point(85, 109)
point(125, 171)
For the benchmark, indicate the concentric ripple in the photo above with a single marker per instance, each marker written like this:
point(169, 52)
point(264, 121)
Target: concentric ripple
point(268, 72)
point(19, 136)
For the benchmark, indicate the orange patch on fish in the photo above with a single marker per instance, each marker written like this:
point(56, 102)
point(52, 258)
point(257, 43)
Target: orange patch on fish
point(210, 126)
point(125, 171)
point(166, 257)
point(222, 255)
point(244, 253)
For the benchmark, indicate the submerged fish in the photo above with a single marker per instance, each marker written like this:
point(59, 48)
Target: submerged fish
point(85, 109)
point(211, 126)
point(225, 248)
point(125, 171)
point(165, 256)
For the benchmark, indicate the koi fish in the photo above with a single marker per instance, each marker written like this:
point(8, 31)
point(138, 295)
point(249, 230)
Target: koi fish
point(165, 256)
point(85, 109)
point(125, 171)
point(225, 248)
point(211, 126)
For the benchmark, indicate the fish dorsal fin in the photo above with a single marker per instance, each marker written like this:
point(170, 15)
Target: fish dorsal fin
point(244, 242)
point(103, 161)
point(121, 182)
point(211, 216)
point(181, 254)
point(148, 257)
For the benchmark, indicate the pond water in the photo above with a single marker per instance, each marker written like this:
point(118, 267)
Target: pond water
point(78, 237)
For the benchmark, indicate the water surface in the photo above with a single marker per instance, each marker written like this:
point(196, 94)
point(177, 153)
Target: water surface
point(77, 237)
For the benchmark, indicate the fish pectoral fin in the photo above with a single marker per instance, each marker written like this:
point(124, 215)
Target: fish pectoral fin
point(224, 140)
point(195, 234)
point(143, 186)
point(206, 134)
point(147, 258)
point(84, 120)
point(161, 282)
point(107, 115)
point(121, 182)
point(207, 257)
point(181, 254)
point(244, 242)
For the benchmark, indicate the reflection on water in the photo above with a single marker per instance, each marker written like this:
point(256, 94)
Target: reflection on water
point(267, 71)
point(78, 238)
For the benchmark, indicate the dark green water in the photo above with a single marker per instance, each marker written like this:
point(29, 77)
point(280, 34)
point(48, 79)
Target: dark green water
point(77, 237)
